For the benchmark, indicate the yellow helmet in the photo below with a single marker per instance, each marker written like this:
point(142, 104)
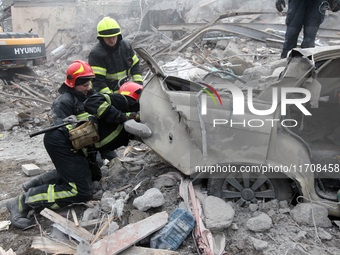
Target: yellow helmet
point(108, 27)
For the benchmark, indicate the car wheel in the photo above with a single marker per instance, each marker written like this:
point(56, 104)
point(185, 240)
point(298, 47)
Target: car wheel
point(247, 188)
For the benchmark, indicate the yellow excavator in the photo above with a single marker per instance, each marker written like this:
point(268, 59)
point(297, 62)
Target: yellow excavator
point(19, 49)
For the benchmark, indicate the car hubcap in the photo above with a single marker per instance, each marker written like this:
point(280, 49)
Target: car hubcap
point(247, 188)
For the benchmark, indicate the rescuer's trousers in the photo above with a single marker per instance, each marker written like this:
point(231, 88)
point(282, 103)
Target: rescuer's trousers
point(306, 14)
point(74, 184)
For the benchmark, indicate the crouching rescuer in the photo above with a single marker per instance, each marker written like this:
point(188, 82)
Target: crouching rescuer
point(85, 124)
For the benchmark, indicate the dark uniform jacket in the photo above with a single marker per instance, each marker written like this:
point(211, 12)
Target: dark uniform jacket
point(111, 64)
point(106, 111)
point(110, 110)
point(70, 102)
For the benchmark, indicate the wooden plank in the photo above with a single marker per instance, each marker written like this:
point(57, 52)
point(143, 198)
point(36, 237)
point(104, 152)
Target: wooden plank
point(32, 77)
point(102, 230)
point(91, 223)
point(27, 98)
point(79, 231)
point(31, 91)
point(136, 250)
point(51, 246)
point(130, 234)
point(74, 215)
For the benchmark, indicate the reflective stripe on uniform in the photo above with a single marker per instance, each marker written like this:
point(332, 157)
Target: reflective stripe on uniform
point(109, 138)
point(83, 116)
point(137, 77)
point(63, 194)
point(54, 206)
point(105, 90)
point(50, 192)
point(51, 195)
point(107, 98)
point(84, 150)
point(99, 70)
point(135, 59)
point(20, 204)
point(101, 109)
point(116, 76)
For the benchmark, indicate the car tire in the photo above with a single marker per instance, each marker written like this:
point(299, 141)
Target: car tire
point(247, 188)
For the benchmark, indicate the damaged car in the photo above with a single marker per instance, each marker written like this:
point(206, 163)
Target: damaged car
point(281, 142)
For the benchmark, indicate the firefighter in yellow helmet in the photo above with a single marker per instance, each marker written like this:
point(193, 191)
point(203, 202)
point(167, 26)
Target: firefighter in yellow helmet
point(112, 58)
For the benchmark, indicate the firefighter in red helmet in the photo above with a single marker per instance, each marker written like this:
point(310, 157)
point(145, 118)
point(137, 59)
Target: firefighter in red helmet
point(75, 169)
point(104, 107)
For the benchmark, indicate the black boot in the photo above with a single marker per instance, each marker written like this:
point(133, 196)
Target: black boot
point(49, 177)
point(18, 212)
point(35, 182)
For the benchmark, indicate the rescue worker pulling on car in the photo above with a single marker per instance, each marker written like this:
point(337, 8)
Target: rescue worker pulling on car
point(306, 14)
point(68, 146)
point(105, 108)
point(112, 58)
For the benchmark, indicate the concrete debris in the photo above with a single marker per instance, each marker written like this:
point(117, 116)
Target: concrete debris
point(107, 202)
point(90, 214)
point(163, 181)
point(253, 207)
point(311, 214)
point(113, 227)
point(300, 236)
point(57, 234)
point(31, 169)
point(260, 223)
point(152, 198)
point(233, 226)
point(8, 120)
point(259, 245)
point(4, 225)
point(218, 214)
point(324, 235)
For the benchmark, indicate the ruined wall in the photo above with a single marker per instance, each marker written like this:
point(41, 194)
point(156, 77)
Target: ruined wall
point(59, 24)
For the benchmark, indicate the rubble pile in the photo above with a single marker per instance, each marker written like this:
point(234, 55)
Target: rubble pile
point(139, 192)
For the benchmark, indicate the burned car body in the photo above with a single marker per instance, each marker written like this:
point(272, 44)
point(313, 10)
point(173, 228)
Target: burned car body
point(263, 148)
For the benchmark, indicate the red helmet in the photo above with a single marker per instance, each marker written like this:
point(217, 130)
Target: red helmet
point(131, 89)
point(78, 69)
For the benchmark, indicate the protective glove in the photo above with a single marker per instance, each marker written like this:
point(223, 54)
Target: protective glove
point(128, 116)
point(334, 5)
point(280, 4)
point(72, 120)
point(133, 115)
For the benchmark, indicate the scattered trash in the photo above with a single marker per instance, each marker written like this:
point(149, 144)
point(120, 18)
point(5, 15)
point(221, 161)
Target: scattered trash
point(180, 224)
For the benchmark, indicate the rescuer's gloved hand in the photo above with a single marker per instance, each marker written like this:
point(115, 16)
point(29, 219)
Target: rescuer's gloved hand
point(72, 120)
point(280, 4)
point(128, 116)
point(133, 115)
point(334, 5)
